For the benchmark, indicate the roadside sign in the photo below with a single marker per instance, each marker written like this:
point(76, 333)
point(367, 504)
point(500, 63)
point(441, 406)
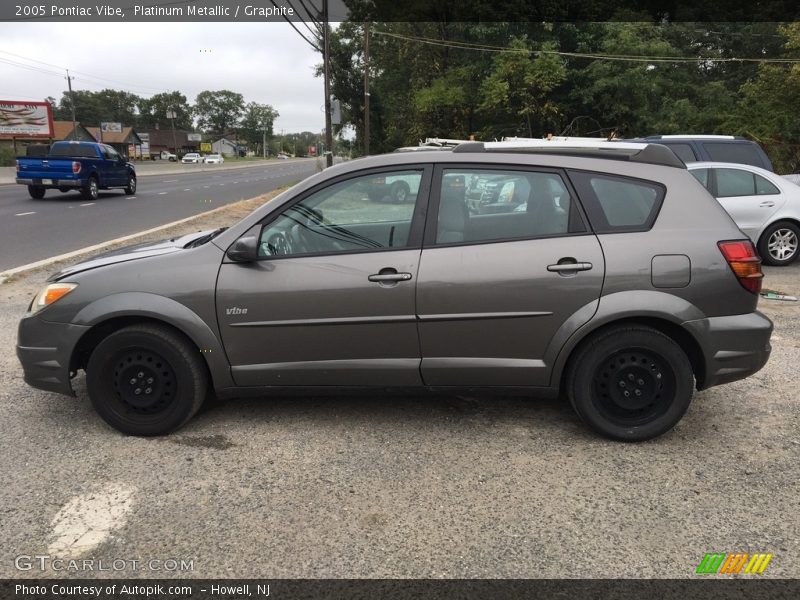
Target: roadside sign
point(108, 127)
point(205, 146)
point(26, 119)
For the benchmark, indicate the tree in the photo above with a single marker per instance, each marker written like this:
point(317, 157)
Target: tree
point(521, 85)
point(153, 110)
point(92, 108)
point(257, 122)
point(218, 111)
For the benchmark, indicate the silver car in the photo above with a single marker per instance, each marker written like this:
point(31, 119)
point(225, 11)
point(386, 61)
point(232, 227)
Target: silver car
point(766, 206)
point(623, 292)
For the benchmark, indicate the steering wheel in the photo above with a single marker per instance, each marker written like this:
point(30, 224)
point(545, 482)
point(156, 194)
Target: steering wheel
point(278, 244)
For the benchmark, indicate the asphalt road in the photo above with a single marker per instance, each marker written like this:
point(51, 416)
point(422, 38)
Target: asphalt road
point(401, 486)
point(33, 230)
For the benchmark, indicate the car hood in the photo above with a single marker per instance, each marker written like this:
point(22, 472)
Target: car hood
point(133, 252)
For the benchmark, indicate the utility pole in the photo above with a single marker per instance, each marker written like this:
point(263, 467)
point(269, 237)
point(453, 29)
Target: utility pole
point(171, 116)
point(72, 101)
point(327, 60)
point(366, 89)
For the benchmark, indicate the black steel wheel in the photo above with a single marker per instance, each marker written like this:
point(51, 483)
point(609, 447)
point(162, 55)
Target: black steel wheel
point(630, 383)
point(146, 380)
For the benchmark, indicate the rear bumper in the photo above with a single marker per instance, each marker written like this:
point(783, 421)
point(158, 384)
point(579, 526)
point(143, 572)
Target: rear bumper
point(734, 347)
point(56, 183)
point(44, 349)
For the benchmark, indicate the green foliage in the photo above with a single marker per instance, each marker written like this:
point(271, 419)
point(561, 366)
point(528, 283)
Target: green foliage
point(92, 108)
point(257, 123)
point(218, 111)
point(153, 110)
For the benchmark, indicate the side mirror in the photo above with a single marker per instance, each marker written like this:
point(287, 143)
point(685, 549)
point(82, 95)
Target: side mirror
point(245, 249)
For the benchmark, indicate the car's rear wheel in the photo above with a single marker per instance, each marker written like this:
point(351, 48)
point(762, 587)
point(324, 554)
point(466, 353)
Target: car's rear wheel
point(36, 191)
point(146, 380)
point(91, 189)
point(780, 244)
point(399, 192)
point(630, 383)
point(130, 189)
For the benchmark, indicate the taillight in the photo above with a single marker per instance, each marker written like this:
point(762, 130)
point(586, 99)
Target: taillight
point(744, 262)
point(17, 163)
point(76, 166)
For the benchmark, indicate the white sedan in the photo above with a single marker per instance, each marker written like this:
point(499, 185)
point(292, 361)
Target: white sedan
point(191, 157)
point(764, 205)
point(216, 159)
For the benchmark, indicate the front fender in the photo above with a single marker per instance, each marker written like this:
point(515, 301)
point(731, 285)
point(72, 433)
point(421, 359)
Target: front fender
point(615, 307)
point(160, 308)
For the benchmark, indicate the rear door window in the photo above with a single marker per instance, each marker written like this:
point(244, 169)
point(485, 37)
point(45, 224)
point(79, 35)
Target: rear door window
point(618, 204)
point(734, 182)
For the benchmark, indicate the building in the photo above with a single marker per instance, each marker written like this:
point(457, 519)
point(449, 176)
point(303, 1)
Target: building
point(127, 142)
point(228, 147)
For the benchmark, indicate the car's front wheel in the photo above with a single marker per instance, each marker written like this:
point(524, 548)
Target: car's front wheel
point(630, 383)
point(146, 380)
point(780, 244)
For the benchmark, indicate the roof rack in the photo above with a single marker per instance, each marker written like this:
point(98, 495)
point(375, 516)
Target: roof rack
point(642, 152)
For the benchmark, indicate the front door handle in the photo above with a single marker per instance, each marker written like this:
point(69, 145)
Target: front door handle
point(389, 276)
point(569, 267)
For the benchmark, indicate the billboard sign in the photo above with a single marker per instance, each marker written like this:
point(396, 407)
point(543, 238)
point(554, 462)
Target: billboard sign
point(26, 119)
point(205, 146)
point(111, 127)
point(193, 137)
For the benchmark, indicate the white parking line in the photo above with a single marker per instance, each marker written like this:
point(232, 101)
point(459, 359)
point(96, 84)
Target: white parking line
point(169, 181)
point(87, 520)
point(88, 204)
point(187, 190)
point(161, 193)
point(24, 214)
point(129, 197)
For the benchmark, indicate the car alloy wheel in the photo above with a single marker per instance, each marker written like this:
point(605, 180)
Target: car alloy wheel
point(780, 244)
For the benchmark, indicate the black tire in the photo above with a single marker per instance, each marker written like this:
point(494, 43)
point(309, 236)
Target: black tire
point(36, 192)
point(130, 190)
point(780, 244)
point(91, 190)
point(399, 192)
point(64, 190)
point(161, 364)
point(630, 383)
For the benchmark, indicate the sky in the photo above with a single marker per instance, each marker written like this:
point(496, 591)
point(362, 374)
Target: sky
point(268, 63)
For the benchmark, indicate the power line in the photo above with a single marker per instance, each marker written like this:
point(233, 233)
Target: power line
point(300, 33)
point(612, 57)
point(297, 12)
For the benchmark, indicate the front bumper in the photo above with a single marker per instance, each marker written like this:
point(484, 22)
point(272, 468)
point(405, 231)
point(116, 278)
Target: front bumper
point(734, 347)
point(52, 182)
point(44, 348)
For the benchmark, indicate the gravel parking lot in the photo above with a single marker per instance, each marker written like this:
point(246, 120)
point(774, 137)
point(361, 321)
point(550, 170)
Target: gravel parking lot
point(428, 487)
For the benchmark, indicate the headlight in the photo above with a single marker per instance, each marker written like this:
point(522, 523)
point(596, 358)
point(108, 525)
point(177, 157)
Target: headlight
point(50, 294)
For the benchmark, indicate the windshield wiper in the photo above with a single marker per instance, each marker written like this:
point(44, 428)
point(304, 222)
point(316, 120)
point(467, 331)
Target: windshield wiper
point(204, 239)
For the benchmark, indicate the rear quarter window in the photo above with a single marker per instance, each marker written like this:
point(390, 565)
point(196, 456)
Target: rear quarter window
point(617, 204)
point(734, 152)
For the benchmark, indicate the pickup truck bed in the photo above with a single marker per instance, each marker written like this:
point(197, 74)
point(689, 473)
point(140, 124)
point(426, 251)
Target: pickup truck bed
point(84, 166)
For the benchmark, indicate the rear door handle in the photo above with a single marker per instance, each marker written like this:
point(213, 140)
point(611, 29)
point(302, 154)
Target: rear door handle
point(569, 267)
point(767, 204)
point(384, 277)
